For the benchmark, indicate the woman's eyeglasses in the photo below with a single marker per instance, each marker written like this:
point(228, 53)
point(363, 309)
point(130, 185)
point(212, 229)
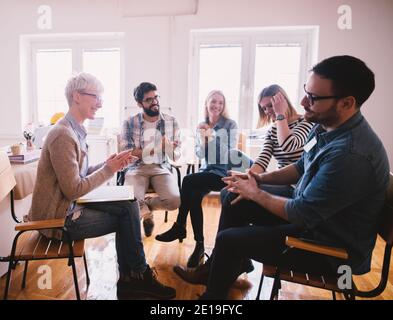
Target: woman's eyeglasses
point(96, 96)
point(266, 107)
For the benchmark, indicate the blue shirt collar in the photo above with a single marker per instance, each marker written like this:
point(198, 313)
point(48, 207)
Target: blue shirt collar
point(346, 126)
point(220, 123)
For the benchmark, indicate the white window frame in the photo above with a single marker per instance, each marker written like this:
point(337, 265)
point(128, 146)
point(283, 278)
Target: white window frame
point(77, 43)
point(306, 36)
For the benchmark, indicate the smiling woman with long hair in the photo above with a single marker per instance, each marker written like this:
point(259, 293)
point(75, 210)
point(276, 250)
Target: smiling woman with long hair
point(215, 138)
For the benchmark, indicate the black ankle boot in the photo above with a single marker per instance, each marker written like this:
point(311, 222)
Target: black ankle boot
point(197, 256)
point(145, 285)
point(176, 232)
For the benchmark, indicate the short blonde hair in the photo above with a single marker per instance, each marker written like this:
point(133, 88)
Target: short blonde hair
point(224, 112)
point(270, 91)
point(81, 82)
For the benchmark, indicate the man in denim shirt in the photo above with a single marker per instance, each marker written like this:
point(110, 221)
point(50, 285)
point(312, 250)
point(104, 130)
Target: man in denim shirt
point(340, 180)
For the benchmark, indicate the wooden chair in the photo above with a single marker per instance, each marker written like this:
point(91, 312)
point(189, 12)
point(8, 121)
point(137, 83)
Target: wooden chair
point(29, 244)
point(331, 282)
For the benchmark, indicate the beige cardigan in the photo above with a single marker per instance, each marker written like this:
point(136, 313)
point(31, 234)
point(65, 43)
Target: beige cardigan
point(58, 181)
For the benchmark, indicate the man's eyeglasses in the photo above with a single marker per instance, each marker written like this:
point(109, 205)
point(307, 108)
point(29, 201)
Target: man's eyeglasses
point(151, 100)
point(96, 96)
point(312, 98)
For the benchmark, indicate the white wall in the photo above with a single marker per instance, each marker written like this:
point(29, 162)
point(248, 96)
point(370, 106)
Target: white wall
point(157, 48)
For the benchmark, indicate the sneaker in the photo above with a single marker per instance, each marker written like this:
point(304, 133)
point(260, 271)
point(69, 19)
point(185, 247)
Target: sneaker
point(145, 286)
point(148, 226)
point(176, 232)
point(197, 256)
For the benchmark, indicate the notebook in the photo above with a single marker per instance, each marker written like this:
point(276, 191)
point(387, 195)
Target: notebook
point(108, 194)
point(25, 157)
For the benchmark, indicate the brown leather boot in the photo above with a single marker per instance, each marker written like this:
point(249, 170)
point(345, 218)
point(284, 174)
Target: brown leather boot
point(199, 275)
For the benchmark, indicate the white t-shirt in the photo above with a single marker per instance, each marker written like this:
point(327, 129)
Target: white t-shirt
point(151, 141)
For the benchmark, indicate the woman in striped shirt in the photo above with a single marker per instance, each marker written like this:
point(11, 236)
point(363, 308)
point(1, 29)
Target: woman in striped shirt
point(288, 133)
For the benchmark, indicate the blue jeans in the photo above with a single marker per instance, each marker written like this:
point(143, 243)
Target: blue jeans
point(122, 217)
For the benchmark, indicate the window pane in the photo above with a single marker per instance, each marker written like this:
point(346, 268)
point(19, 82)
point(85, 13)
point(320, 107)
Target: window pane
point(54, 68)
point(280, 65)
point(105, 65)
point(220, 68)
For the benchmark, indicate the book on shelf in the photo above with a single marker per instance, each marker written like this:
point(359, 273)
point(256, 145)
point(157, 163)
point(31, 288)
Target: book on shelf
point(108, 194)
point(25, 157)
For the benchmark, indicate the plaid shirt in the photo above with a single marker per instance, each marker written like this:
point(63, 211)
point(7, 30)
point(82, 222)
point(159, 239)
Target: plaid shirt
point(132, 136)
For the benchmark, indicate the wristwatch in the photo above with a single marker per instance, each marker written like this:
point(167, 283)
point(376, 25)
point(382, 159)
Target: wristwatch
point(280, 117)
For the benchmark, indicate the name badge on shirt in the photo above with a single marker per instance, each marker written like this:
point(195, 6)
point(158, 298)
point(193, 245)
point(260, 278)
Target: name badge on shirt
point(309, 145)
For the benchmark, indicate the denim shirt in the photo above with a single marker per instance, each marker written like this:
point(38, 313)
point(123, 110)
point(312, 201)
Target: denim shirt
point(340, 194)
point(215, 154)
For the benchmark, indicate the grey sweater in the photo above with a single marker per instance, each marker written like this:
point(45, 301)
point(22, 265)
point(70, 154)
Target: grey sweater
point(58, 176)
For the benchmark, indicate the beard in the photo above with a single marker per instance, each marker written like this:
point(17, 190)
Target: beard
point(150, 112)
point(327, 118)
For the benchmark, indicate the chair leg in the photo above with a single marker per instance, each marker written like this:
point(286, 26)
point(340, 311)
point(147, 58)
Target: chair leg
point(25, 274)
point(348, 295)
point(166, 216)
point(260, 287)
point(7, 284)
point(72, 261)
point(86, 270)
point(275, 289)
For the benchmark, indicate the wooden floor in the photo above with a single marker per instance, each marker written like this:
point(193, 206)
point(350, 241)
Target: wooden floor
point(102, 264)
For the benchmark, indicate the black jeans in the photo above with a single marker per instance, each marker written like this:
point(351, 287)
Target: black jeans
point(248, 231)
point(194, 187)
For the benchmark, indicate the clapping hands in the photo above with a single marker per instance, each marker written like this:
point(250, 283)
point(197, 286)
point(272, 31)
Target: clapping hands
point(205, 132)
point(117, 162)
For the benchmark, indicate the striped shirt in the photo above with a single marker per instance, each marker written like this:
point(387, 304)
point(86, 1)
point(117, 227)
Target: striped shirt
point(292, 148)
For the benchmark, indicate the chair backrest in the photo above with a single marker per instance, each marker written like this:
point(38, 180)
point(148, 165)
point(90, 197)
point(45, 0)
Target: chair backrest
point(7, 179)
point(386, 228)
